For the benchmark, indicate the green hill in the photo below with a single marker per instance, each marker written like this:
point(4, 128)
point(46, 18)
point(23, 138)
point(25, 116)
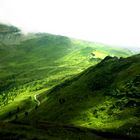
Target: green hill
point(105, 96)
point(100, 103)
point(55, 87)
point(32, 63)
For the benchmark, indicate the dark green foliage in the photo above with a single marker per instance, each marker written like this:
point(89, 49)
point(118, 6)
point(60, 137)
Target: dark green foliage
point(130, 89)
point(18, 109)
point(96, 84)
point(62, 101)
point(26, 114)
point(36, 107)
point(16, 117)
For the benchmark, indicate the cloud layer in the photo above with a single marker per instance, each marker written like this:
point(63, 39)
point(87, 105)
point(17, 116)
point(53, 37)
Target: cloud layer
point(108, 21)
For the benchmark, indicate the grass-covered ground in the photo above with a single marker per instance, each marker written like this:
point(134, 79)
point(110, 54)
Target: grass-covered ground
point(46, 131)
point(37, 62)
point(52, 84)
point(105, 97)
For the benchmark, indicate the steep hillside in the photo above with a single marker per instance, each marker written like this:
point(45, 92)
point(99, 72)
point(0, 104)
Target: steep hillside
point(33, 63)
point(105, 96)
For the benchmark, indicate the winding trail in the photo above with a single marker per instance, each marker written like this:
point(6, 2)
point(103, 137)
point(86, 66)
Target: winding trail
point(35, 97)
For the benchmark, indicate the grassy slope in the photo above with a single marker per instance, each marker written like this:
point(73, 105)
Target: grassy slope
point(44, 132)
point(37, 62)
point(105, 96)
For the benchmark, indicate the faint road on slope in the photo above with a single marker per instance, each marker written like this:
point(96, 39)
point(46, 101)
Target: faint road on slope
point(38, 102)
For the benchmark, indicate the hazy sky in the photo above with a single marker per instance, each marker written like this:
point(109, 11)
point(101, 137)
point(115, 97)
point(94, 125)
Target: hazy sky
point(108, 21)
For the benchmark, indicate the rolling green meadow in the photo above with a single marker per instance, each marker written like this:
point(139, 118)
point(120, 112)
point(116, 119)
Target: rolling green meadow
point(55, 87)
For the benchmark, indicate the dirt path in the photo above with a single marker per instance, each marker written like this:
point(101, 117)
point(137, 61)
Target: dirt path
point(35, 97)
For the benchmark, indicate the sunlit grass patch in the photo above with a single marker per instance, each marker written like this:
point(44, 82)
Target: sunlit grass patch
point(98, 54)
